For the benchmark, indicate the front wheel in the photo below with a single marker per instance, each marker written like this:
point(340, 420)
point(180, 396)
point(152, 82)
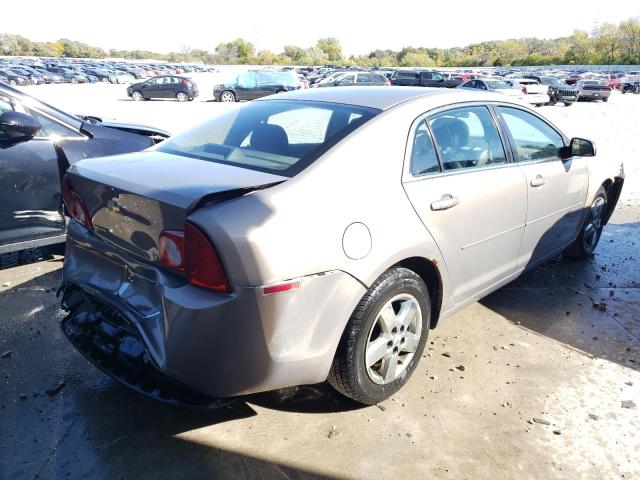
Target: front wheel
point(137, 96)
point(605, 100)
point(13, 83)
point(384, 338)
point(568, 104)
point(227, 97)
point(584, 246)
point(182, 97)
point(74, 80)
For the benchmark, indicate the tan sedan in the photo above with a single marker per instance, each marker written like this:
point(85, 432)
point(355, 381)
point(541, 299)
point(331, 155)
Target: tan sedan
point(317, 235)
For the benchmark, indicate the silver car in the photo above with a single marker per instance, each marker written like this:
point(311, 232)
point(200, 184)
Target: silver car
point(317, 234)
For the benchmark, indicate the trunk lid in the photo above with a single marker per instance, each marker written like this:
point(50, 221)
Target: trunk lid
point(132, 198)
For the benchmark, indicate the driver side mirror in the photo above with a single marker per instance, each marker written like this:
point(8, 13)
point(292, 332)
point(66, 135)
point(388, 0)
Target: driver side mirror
point(579, 147)
point(19, 126)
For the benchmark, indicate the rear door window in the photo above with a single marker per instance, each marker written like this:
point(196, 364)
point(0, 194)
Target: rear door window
point(423, 154)
point(467, 137)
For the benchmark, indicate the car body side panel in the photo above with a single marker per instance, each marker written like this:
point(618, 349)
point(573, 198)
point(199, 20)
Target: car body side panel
point(480, 237)
point(555, 208)
point(29, 191)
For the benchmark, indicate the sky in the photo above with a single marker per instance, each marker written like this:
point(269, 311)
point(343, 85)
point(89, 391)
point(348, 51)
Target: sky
point(361, 27)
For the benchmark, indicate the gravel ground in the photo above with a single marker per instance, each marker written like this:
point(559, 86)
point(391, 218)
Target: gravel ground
point(536, 383)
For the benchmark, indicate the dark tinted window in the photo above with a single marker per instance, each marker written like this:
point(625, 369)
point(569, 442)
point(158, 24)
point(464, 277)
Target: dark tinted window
point(280, 137)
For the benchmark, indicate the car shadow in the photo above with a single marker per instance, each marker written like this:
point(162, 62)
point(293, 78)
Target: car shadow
point(93, 427)
point(591, 305)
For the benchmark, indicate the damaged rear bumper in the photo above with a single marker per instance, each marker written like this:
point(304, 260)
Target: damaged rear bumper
point(135, 320)
point(113, 344)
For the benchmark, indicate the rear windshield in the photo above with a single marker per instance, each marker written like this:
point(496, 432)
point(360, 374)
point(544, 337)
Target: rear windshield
point(497, 84)
point(277, 136)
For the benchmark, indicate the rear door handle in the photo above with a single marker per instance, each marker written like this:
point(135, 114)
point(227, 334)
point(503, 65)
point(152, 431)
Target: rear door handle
point(446, 201)
point(538, 181)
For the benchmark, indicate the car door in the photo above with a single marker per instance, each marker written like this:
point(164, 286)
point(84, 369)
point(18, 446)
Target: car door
point(29, 187)
point(364, 80)
point(346, 81)
point(151, 88)
point(267, 83)
point(247, 86)
point(556, 188)
point(470, 196)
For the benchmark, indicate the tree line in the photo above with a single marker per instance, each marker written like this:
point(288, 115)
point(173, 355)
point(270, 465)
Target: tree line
point(606, 44)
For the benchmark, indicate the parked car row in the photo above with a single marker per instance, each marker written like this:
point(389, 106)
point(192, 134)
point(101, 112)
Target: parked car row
point(29, 71)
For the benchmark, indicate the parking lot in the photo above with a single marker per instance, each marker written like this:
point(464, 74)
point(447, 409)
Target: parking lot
point(538, 380)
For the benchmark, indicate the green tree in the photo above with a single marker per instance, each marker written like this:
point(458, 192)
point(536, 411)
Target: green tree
point(606, 41)
point(296, 54)
point(331, 48)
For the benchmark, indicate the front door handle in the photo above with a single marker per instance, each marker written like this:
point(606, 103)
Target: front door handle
point(446, 201)
point(538, 181)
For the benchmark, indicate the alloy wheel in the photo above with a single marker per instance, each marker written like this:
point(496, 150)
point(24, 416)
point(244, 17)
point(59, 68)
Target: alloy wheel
point(593, 226)
point(393, 338)
point(227, 97)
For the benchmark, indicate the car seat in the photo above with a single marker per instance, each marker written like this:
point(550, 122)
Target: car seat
point(270, 138)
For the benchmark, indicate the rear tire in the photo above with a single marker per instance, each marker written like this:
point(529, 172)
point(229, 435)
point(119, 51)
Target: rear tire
point(605, 100)
point(568, 104)
point(13, 83)
point(384, 338)
point(591, 229)
point(74, 80)
point(182, 97)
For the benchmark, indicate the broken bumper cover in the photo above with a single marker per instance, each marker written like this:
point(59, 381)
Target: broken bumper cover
point(221, 345)
point(112, 344)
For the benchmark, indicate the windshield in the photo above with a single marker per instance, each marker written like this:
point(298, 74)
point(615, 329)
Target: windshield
point(277, 136)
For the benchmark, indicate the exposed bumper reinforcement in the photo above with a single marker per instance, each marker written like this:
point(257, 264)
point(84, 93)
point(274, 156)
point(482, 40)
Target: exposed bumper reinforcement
point(113, 344)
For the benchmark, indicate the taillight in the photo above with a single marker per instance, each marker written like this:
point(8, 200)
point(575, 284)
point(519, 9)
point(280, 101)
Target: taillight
point(75, 205)
point(191, 252)
point(186, 83)
point(524, 90)
point(171, 249)
point(387, 83)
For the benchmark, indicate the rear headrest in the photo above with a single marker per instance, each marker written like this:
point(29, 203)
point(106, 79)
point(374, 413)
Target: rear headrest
point(270, 138)
point(452, 132)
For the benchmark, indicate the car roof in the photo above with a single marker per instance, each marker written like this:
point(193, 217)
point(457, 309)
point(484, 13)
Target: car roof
point(381, 98)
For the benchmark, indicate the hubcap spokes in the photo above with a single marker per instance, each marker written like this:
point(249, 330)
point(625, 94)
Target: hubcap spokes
point(393, 339)
point(593, 228)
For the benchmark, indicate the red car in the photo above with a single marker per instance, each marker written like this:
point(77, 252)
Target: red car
point(614, 80)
